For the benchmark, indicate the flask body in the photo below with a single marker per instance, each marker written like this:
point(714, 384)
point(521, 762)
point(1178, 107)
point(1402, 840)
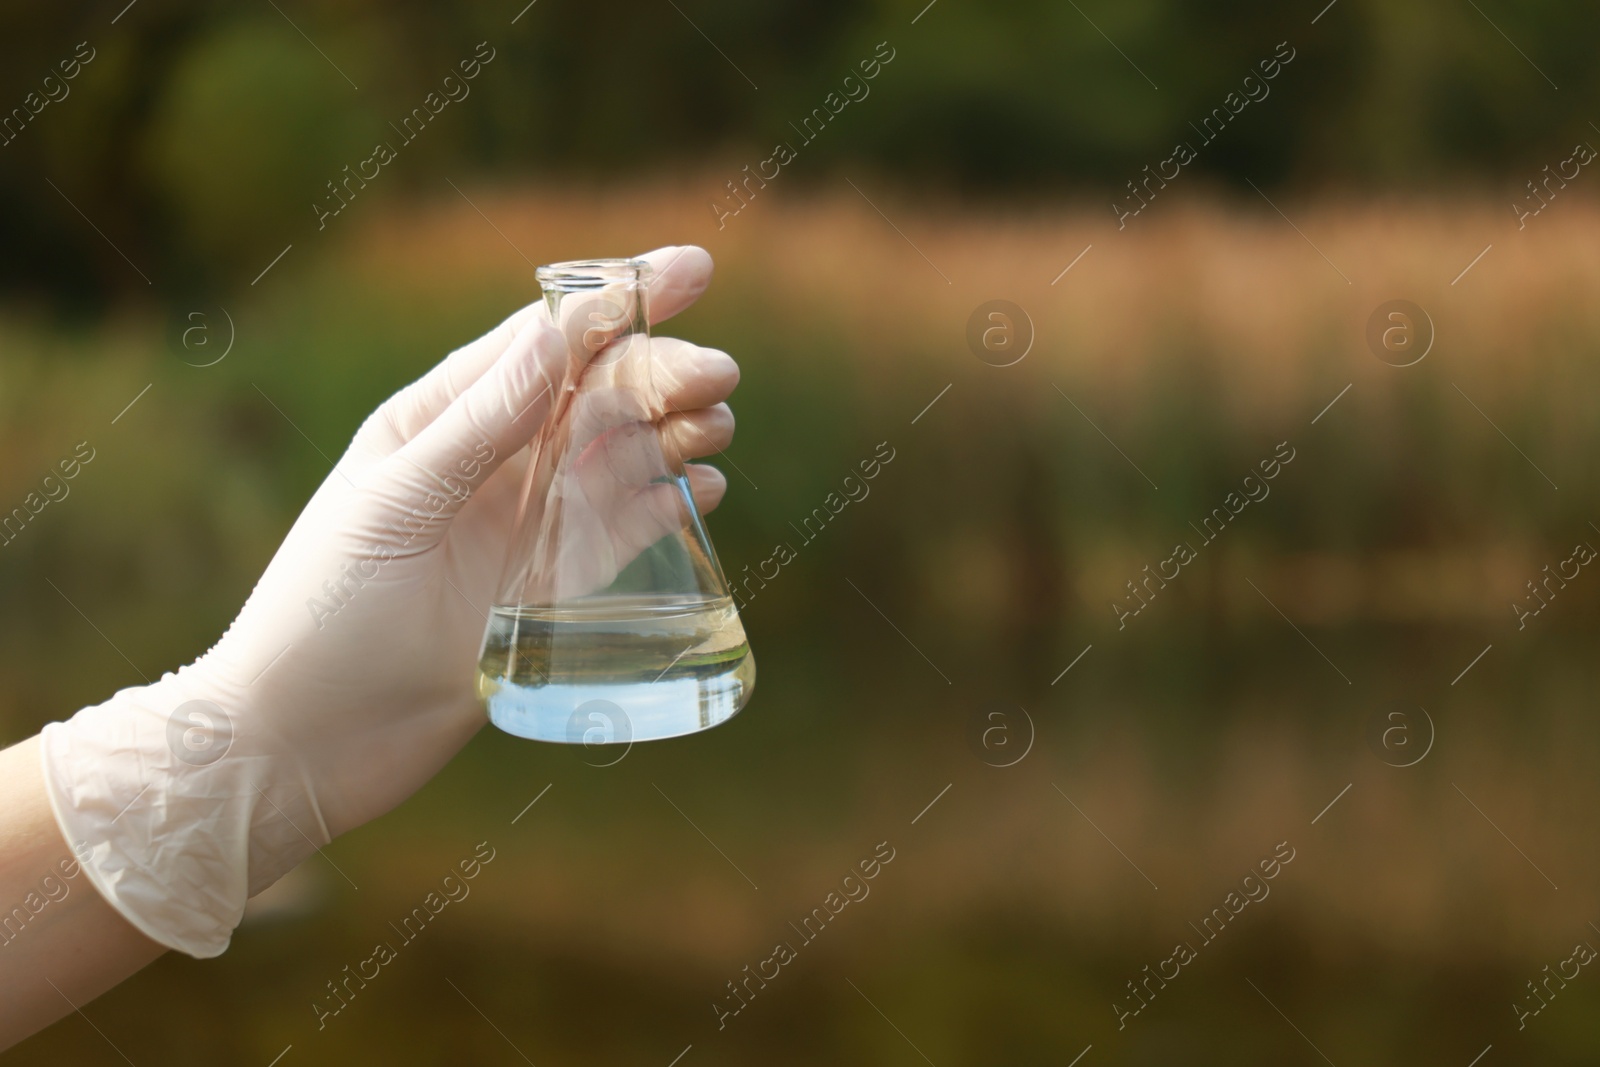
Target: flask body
point(613, 622)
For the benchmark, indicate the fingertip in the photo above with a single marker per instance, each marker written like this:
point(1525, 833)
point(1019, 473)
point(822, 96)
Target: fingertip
point(682, 273)
point(537, 334)
point(707, 484)
point(694, 376)
point(683, 261)
point(695, 262)
point(720, 368)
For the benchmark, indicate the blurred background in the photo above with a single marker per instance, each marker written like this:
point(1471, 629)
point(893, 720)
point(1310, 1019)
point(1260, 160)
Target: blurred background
point(172, 256)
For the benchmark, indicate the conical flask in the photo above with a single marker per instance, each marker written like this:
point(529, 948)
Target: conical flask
point(612, 622)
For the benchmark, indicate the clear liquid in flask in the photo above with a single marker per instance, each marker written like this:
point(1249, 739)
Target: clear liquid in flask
point(612, 669)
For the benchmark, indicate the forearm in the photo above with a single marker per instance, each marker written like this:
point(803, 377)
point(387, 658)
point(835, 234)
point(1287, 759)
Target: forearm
point(61, 944)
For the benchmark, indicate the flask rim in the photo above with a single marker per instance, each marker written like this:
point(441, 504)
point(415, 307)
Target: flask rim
point(582, 275)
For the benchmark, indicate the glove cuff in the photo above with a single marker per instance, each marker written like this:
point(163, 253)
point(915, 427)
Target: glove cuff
point(178, 810)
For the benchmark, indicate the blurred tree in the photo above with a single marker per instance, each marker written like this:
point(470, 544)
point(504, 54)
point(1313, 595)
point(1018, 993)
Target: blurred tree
point(247, 130)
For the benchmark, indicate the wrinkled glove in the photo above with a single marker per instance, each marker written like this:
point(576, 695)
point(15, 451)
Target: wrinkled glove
point(345, 683)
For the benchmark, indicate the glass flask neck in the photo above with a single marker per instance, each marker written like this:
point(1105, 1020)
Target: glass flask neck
point(589, 275)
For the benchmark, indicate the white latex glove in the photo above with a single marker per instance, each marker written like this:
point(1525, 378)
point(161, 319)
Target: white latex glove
point(346, 682)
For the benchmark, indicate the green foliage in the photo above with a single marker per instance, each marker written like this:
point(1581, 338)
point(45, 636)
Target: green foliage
point(203, 131)
point(246, 129)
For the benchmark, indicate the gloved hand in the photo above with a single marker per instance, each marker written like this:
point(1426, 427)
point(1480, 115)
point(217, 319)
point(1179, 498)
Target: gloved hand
point(345, 683)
